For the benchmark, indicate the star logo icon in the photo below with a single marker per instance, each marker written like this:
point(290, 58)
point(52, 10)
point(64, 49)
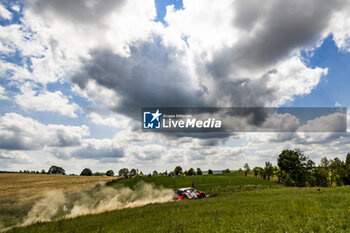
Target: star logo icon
point(156, 115)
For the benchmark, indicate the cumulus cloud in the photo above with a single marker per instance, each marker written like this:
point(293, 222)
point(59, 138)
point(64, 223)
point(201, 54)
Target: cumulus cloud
point(280, 123)
point(151, 152)
point(77, 12)
point(339, 26)
point(113, 120)
point(97, 149)
point(4, 13)
point(46, 101)
point(153, 75)
point(23, 133)
point(14, 157)
point(335, 122)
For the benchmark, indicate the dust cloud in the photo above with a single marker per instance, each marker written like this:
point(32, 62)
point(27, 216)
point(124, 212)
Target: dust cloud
point(57, 205)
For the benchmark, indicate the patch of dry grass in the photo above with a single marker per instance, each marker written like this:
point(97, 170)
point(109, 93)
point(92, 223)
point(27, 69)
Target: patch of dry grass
point(22, 186)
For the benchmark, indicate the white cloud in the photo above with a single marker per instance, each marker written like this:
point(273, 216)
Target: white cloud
point(4, 13)
point(23, 133)
point(335, 122)
point(3, 93)
point(96, 149)
point(113, 120)
point(150, 152)
point(46, 101)
point(14, 72)
point(292, 78)
point(340, 28)
point(206, 24)
point(280, 123)
point(16, 8)
point(14, 157)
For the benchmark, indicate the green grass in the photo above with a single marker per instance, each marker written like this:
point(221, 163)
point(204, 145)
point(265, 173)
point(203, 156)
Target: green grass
point(269, 210)
point(13, 212)
point(211, 184)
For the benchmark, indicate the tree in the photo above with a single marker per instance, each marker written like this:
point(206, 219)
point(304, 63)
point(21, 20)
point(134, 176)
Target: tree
point(42, 171)
point(178, 170)
point(171, 173)
point(56, 170)
point(321, 177)
point(155, 173)
point(133, 172)
point(246, 169)
point(110, 173)
point(191, 172)
point(347, 167)
point(324, 163)
point(347, 162)
point(296, 165)
point(124, 172)
point(258, 171)
point(199, 172)
point(210, 172)
point(339, 173)
point(268, 170)
point(86, 172)
point(226, 170)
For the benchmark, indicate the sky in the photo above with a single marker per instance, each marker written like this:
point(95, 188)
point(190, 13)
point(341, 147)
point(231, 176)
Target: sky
point(74, 76)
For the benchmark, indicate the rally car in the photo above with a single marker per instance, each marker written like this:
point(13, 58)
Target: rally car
point(188, 193)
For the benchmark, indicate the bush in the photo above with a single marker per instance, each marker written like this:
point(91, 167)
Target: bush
point(86, 172)
point(56, 170)
point(226, 171)
point(191, 172)
point(178, 170)
point(110, 173)
point(124, 172)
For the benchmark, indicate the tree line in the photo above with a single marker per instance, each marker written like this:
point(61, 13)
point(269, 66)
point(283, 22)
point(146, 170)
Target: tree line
point(176, 172)
point(125, 172)
point(296, 169)
point(56, 170)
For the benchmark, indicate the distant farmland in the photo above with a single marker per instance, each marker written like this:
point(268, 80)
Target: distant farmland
point(19, 192)
point(21, 186)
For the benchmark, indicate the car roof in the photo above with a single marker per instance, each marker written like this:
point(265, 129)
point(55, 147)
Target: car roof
point(183, 189)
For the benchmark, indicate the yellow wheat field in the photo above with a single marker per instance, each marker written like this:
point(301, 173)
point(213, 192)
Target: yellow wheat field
point(24, 186)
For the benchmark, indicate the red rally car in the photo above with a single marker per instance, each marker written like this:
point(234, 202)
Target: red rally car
point(188, 193)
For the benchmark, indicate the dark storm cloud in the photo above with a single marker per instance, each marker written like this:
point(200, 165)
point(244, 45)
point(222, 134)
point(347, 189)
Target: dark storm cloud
point(77, 11)
point(276, 28)
point(153, 75)
point(17, 144)
point(270, 32)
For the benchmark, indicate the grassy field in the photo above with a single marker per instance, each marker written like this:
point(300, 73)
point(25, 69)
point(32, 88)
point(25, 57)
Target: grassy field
point(236, 204)
point(211, 184)
point(19, 191)
point(269, 210)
